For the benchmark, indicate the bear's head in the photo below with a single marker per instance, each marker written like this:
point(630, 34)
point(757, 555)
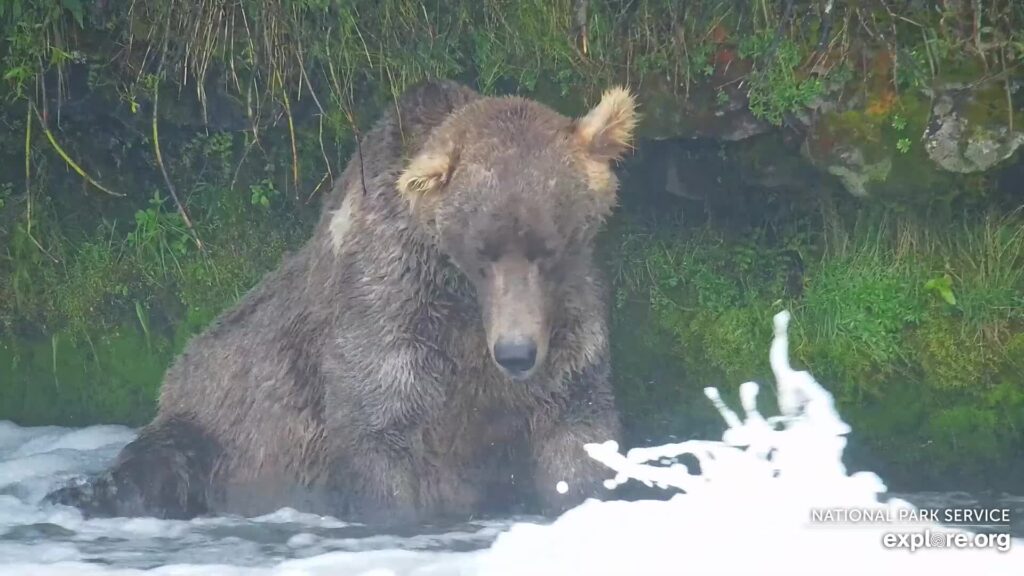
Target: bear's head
point(513, 193)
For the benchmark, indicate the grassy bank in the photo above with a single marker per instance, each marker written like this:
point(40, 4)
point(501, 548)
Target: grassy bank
point(917, 329)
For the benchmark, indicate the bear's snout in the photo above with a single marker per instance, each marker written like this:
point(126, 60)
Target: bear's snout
point(515, 305)
point(516, 356)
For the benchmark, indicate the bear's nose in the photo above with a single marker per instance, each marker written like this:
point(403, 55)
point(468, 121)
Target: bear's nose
point(516, 356)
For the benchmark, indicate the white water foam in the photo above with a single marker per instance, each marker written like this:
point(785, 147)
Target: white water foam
point(748, 511)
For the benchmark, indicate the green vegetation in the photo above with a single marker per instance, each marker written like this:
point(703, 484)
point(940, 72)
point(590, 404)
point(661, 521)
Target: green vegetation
point(885, 311)
point(163, 154)
point(775, 88)
point(90, 323)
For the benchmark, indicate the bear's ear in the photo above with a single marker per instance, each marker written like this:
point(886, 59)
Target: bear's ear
point(426, 174)
point(606, 132)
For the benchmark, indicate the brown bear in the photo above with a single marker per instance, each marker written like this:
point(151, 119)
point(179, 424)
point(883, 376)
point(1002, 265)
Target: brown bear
point(438, 349)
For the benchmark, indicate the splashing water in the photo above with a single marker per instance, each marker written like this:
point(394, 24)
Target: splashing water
point(748, 510)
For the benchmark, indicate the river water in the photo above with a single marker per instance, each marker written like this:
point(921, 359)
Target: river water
point(758, 507)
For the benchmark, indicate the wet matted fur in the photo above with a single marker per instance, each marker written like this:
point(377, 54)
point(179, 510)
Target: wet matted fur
point(370, 376)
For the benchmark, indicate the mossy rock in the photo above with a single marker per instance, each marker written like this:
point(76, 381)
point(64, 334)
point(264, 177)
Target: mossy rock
point(973, 129)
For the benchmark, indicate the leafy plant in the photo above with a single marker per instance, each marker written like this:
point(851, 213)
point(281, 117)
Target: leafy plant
point(943, 286)
point(776, 86)
point(159, 236)
point(261, 193)
point(36, 33)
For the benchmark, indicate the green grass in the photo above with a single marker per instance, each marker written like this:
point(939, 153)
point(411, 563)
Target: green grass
point(865, 325)
point(88, 327)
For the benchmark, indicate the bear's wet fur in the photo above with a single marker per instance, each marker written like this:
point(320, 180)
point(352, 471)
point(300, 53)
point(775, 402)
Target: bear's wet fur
point(438, 349)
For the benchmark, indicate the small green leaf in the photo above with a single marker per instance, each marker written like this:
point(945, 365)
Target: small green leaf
point(16, 72)
point(948, 296)
point(942, 285)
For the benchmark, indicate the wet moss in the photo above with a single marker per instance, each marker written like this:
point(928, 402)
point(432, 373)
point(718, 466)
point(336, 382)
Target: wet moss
point(991, 106)
point(891, 159)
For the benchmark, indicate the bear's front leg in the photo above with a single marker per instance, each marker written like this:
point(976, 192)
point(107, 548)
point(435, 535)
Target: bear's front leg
point(587, 415)
point(392, 480)
point(377, 407)
point(377, 480)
